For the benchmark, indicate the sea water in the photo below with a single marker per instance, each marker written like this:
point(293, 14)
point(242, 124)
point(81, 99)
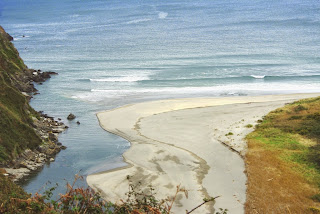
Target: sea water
point(116, 52)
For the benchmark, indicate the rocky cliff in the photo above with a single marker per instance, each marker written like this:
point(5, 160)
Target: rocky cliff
point(27, 138)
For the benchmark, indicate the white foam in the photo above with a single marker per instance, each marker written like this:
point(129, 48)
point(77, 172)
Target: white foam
point(162, 15)
point(121, 79)
point(100, 94)
point(31, 25)
point(136, 21)
point(74, 15)
point(257, 76)
point(20, 37)
point(232, 88)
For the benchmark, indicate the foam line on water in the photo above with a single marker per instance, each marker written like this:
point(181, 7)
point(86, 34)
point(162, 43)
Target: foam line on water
point(136, 21)
point(121, 79)
point(258, 76)
point(98, 95)
point(229, 87)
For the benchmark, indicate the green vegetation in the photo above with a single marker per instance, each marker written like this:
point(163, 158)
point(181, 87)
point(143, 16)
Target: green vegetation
point(10, 60)
point(284, 158)
point(9, 190)
point(316, 197)
point(295, 129)
point(228, 134)
point(249, 126)
point(16, 133)
point(84, 200)
point(76, 200)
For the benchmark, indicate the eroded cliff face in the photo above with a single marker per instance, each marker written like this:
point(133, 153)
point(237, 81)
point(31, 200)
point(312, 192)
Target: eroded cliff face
point(27, 138)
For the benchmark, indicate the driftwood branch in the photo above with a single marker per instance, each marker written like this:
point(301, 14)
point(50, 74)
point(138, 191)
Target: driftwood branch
point(206, 200)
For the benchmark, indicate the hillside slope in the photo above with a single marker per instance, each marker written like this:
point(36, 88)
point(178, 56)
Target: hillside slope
point(283, 160)
point(28, 139)
point(16, 133)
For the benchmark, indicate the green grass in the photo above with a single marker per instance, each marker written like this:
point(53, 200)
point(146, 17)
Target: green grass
point(10, 60)
point(283, 160)
point(249, 126)
point(228, 134)
point(287, 129)
point(16, 133)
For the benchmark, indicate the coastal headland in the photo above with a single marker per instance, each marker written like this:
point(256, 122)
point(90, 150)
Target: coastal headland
point(197, 143)
point(28, 139)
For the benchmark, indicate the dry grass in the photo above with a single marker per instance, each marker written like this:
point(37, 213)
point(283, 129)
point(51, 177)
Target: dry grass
point(273, 187)
point(282, 173)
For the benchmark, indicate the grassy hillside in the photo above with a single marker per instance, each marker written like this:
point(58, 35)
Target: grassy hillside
point(283, 160)
point(9, 56)
point(16, 133)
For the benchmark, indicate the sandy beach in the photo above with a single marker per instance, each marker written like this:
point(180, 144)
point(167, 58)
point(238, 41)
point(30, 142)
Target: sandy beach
point(196, 142)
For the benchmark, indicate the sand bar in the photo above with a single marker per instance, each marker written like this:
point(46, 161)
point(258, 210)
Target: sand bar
point(183, 141)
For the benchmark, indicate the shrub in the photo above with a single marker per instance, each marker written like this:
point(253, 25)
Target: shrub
point(230, 133)
point(315, 116)
point(299, 108)
point(295, 117)
point(316, 197)
point(314, 155)
point(75, 200)
point(85, 200)
point(314, 210)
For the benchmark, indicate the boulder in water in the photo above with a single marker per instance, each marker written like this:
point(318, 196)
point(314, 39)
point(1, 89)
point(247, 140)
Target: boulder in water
point(71, 116)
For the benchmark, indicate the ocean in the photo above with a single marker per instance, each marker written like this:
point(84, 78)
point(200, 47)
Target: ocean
point(111, 53)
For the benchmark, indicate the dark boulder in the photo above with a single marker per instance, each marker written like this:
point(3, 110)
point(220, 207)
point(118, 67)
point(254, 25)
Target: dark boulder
point(71, 116)
point(53, 137)
point(10, 38)
point(38, 76)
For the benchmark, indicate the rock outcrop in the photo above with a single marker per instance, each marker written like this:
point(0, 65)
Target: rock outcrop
point(28, 139)
point(71, 116)
point(6, 35)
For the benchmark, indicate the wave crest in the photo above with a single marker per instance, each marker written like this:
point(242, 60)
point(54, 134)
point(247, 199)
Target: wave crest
point(162, 15)
point(136, 21)
point(120, 79)
point(258, 76)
